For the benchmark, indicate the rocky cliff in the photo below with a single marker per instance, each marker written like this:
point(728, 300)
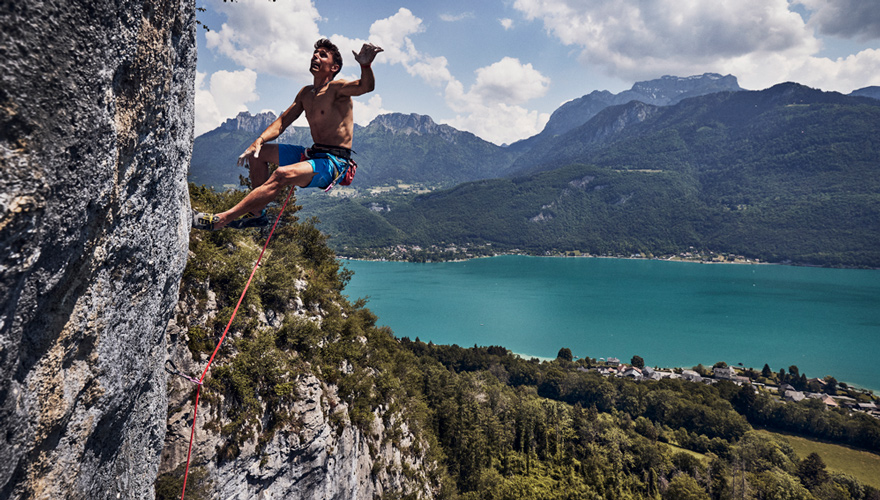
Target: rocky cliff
point(292, 407)
point(95, 137)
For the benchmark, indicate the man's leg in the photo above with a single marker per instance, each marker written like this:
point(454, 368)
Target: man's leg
point(299, 174)
point(259, 165)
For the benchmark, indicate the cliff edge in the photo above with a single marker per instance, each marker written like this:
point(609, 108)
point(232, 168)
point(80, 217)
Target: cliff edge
point(95, 137)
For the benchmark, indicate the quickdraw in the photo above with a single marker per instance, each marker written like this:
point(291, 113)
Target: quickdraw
point(174, 371)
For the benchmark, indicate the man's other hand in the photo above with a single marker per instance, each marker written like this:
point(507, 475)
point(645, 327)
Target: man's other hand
point(255, 148)
point(367, 54)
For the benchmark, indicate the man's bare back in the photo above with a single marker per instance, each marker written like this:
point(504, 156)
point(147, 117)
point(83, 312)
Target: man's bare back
point(328, 108)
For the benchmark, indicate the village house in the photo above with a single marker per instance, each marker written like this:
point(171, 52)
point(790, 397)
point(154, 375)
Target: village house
point(868, 407)
point(794, 396)
point(727, 373)
point(691, 375)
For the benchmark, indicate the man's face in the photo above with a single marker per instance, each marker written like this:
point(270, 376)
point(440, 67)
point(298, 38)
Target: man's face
point(322, 62)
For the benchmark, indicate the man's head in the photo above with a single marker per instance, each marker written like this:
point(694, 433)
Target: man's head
point(326, 54)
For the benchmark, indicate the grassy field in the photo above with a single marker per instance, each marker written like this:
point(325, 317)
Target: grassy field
point(862, 465)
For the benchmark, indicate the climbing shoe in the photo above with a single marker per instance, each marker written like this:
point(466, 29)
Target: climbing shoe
point(250, 220)
point(204, 221)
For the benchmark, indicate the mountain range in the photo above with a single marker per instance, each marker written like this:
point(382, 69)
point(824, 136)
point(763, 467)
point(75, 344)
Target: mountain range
point(784, 174)
point(436, 155)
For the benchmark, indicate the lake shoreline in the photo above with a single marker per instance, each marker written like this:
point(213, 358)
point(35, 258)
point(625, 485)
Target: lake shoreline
point(678, 316)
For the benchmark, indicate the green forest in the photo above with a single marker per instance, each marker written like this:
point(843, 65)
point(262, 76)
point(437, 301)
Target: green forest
point(788, 174)
point(492, 425)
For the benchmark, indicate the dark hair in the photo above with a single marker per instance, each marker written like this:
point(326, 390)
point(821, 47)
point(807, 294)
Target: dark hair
point(334, 51)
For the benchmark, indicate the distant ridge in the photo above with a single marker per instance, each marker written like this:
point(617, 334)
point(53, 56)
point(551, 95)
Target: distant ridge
point(785, 174)
point(399, 123)
point(247, 122)
point(663, 91)
point(872, 92)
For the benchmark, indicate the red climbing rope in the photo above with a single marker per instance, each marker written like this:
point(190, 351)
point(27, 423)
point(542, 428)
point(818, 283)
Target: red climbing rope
point(220, 342)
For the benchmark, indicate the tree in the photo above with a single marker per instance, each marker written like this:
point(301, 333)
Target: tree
point(565, 354)
point(766, 372)
point(812, 471)
point(637, 362)
point(720, 364)
point(830, 385)
point(684, 487)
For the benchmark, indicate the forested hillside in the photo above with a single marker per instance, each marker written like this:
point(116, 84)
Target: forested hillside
point(482, 422)
point(785, 174)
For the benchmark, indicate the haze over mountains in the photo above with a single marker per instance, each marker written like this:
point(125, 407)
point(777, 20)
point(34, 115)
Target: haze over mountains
point(784, 174)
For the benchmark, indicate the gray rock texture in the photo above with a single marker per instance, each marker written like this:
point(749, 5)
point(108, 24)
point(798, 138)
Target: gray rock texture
point(321, 457)
point(96, 109)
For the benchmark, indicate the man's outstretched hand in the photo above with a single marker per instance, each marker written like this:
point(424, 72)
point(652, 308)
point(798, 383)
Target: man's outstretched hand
point(367, 54)
point(253, 148)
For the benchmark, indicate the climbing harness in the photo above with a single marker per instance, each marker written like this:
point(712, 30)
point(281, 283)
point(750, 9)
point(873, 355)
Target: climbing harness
point(201, 379)
point(343, 176)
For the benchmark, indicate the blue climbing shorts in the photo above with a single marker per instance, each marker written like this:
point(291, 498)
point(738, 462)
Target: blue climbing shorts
point(325, 165)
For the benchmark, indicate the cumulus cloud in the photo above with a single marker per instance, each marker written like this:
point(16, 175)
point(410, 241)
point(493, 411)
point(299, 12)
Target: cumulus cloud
point(393, 35)
point(858, 19)
point(760, 41)
point(224, 97)
point(501, 124)
point(491, 108)
point(507, 23)
point(509, 81)
point(630, 36)
point(258, 36)
point(365, 111)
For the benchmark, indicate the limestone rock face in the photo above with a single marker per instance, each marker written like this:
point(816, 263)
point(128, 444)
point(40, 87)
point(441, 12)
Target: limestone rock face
point(323, 456)
point(96, 108)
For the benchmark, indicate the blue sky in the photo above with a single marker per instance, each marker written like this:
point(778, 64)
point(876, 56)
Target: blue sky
point(499, 68)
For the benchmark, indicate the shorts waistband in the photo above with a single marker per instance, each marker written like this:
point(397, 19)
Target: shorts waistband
point(339, 151)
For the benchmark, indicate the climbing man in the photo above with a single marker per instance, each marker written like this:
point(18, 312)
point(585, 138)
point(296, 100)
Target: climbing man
point(328, 107)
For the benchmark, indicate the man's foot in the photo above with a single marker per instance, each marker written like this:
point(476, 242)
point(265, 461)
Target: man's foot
point(250, 220)
point(204, 221)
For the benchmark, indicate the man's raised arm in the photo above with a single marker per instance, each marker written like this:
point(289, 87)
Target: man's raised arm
point(367, 83)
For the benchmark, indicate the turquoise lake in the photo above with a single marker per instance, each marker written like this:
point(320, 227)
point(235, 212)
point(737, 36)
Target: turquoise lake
point(825, 321)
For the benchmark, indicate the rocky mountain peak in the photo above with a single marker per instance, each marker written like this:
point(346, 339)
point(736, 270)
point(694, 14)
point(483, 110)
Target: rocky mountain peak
point(664, 91)
point(671, 89)
point(249, 123)
point(408, 124)
point(413, 123)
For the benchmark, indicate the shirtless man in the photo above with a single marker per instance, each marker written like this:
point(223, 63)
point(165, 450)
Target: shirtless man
point(328, 108)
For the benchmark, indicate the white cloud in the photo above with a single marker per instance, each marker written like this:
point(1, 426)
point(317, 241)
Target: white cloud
point(492, 107)
point(761, 41)
point(268, 37)
point(507, 23)
point(257, 36)
point(509, 81)
point(392, 34)
point(502, 123)
point(364, 112)
point(451, 18)
point(225, 96)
